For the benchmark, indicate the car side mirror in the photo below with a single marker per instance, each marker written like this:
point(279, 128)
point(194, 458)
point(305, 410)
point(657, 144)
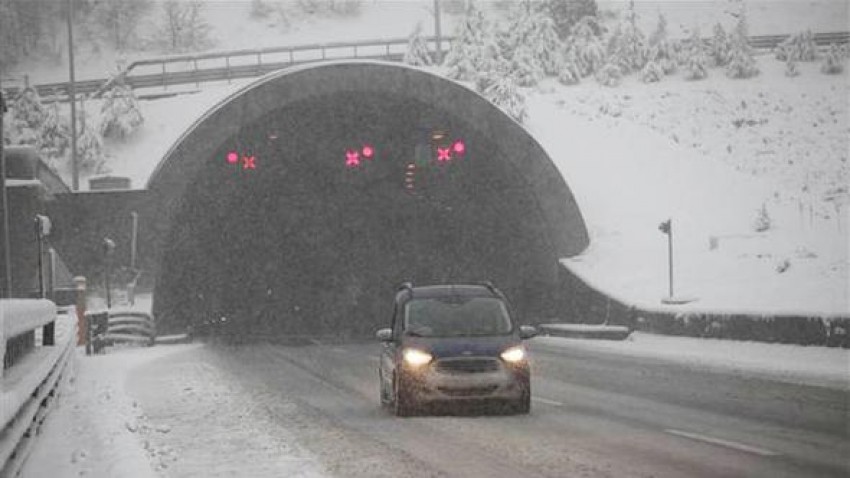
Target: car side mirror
point(384, 335)
point(527, 331)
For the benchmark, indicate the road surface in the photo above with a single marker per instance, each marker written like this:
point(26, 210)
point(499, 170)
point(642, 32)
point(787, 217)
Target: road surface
point(592, 415)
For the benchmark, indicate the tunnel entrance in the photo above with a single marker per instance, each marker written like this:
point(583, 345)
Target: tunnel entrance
point(304, 218)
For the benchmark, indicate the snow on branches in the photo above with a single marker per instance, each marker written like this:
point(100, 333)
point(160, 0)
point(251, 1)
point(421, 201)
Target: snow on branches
point(474, 48)
point(417, 50)
point(120, 114)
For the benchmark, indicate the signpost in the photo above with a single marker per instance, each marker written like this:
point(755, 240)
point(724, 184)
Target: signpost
point(666, 227)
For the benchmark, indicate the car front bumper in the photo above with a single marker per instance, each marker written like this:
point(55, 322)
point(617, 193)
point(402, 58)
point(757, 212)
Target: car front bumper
point(430, 385)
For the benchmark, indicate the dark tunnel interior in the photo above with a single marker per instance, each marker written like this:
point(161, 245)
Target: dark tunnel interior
point(285, 232)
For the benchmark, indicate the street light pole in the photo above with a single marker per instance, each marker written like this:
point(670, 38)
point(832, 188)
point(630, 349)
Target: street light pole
point(72, 93)
point(437, 32)
point(5, 259)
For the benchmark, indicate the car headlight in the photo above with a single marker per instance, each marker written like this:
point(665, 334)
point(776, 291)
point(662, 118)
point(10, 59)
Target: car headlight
point(514, 354)
point(416, 357)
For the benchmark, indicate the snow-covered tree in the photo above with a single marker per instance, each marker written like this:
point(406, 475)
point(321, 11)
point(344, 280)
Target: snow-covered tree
point(720, 46)
point(119, 20)
point(503, 92)
point(741, 63)
point(90, 154)
point(531, 41)
point(27, 116)
point(833, 61)
point(570, 73)
point(798, 47)
point(566, 13)
point(791, 68)
point(120, 113)
point(609, 75)
point(585, 46)
point(651, 72)
point(54, 139)
point(627, 45)
point(474, 49)
point(695, 64)
point(762, 221)
point(183, 26)
point(661, 50)
point(417, 49)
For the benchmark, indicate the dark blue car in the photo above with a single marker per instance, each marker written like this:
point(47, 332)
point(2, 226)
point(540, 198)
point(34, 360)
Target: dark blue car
point(453, 343)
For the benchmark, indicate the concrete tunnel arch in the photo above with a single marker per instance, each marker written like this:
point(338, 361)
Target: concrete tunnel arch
point(304, 244)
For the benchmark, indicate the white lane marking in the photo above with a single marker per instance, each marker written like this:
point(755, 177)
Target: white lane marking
point(547, 401)
point(726, 443)
point(338, 350)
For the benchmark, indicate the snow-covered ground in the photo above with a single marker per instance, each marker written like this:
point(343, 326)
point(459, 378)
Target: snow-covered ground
point(639, 154)
point(203, 424)
point(164, 411)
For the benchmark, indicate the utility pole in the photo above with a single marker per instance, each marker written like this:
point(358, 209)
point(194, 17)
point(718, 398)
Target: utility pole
point(72, 93)
point(437, 32)
point(5, 258)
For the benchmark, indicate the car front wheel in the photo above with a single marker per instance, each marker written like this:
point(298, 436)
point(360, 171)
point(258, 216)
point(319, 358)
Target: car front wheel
point(403, 403)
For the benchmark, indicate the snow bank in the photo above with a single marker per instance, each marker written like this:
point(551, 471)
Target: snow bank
point(819, 366)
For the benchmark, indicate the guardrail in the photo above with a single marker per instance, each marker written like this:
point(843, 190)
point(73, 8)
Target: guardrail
point(31, 382)
point(238, 64)
point(234, 64)
point(119, 326)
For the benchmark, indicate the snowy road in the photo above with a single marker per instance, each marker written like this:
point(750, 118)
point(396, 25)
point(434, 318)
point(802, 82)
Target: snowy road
point(594, 414)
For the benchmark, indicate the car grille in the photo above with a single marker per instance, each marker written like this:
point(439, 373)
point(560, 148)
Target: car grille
point(467, 365)
point(468, 391)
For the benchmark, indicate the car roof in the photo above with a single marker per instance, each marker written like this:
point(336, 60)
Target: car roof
point(444, 290)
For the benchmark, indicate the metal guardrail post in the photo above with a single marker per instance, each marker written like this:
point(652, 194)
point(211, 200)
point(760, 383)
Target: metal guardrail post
point(164, 84)
point(195, 73)
point(227, 68)
point(80, 286)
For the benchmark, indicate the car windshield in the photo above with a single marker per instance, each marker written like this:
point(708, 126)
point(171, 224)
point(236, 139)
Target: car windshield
point(456, 317)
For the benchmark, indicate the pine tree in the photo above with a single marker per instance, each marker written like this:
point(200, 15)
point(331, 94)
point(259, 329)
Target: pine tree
point(720, 46)
point(695, 61)
point(503, 92)
point(474, 48)
point(120, 113)
point(90, 154)
point(570, 73)
point(417, 50)
point(797, 47)
point(627, 46)
point(791, 68)
point(27, 116)
point(832, 62)
point(741, 64)
point(609, 75)
point(661, 50)
point(585, 46)
point(652, 72)
point(531, 43)
point(566, 13)
point(54, 136)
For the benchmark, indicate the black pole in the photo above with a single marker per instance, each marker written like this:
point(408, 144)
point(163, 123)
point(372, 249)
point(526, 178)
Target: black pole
point(72, 93)
point(670, 255)
point(5, 258)
point(39, 238)
point(437, 31)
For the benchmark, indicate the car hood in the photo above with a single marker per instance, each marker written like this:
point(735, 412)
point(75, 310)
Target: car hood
point(441, 347)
